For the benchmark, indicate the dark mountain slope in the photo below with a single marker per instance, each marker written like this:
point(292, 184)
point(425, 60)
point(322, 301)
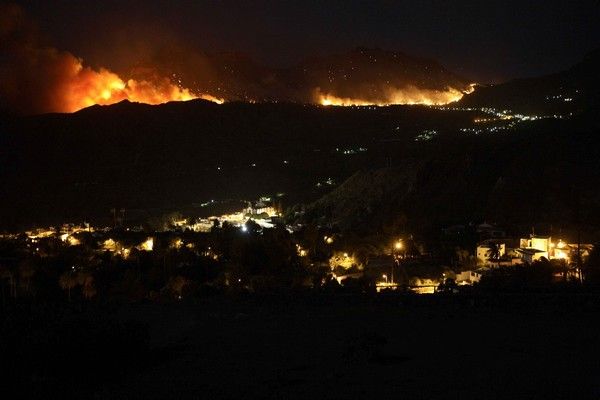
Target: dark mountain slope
point(135, 156)
point(370, 74)
point(570, 91)
point(360, 72)
point(543, 174)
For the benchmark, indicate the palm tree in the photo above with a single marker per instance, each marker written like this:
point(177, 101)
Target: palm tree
point(26, 272)
point(5, 274)
point(177, 285)
point(494, 251)
point(68, 281)
point(89, 290)
point(86, 280)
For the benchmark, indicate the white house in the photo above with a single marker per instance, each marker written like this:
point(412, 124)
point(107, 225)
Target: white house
point(468, 278)
point(531, 255)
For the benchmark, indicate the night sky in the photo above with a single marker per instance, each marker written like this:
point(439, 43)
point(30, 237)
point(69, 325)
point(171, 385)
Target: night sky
point(482, 40)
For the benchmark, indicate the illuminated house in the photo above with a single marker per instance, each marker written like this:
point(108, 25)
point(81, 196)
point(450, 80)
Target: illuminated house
point(260, 207)
point(535, 247)
point(561, 251)
point(423, 285)
point(467, 278)
point(531, 255)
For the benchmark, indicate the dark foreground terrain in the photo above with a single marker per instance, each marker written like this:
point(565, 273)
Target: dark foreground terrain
point(510, 347)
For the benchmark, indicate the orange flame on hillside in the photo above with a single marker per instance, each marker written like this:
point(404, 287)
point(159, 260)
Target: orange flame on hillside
point(37, 78)
point(409, 95)
point(85, 86)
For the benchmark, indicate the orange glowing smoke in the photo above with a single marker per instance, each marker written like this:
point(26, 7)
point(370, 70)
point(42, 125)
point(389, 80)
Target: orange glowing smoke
point(37, 78)
point(82, 87)
point(406, 95)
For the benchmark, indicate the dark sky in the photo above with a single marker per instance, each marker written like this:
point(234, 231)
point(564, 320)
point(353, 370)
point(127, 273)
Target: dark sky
point(486, 40)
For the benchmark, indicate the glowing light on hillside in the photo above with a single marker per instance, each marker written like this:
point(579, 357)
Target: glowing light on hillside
point(409, 95)
point(214, 99)
point(72, 241)
point(85, 86)
point(148, 245)
point(301, 251)
point(40, 233)
point(110, 245)
point(344, 260)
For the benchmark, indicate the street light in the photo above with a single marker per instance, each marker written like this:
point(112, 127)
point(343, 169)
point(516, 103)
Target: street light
point(384, 276)
point(398, 246)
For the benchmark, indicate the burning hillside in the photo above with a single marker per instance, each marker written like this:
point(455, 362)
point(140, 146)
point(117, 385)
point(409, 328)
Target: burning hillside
point(77, 86)
point(377, 77)
point(409, 95)
point(35, 78)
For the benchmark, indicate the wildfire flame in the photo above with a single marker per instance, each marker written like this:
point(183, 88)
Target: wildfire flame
point(37, 78)
point(407, 95)
point(85, 86)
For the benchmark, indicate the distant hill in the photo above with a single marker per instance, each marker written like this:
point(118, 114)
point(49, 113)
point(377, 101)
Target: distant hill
point(544, 173)
point(413, 166)
point(141, 157)
point(570, 91)
point(361, 72)
point(371, 73)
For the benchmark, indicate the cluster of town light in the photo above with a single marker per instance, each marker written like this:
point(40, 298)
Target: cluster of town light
point(530, 249)
point(302, 252)
point(342, 259)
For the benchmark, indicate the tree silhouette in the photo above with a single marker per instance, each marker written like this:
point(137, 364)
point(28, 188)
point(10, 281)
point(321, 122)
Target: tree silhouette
point(86, 280)
point(26, 272)
point(494, 251)
point(67, 281)
point(177, 285)
point(7, 274)
point(592, 267)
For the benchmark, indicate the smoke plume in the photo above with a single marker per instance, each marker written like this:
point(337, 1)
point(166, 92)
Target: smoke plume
point(36, 78)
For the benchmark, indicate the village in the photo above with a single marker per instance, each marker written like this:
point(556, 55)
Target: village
point(236, 246)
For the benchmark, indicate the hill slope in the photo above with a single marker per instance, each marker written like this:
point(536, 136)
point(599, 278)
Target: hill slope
point(570, 91)
point(361, 72)
point(545, 173)
point(136, 156)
